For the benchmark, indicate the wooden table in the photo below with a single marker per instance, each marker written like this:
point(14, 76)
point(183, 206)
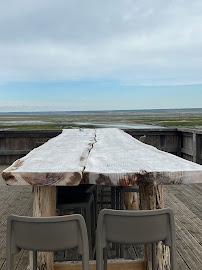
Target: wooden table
point(104, 157)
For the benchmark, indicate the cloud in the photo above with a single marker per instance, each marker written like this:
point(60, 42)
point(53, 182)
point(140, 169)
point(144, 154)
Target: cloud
point(144, 41)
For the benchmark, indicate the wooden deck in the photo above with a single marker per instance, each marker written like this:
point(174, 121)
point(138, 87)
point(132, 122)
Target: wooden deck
point(185, 200)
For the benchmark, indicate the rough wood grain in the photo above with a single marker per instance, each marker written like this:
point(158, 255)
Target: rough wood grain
point(44, 205)
point(118, 159)
point(102, 156)
point(60, 161)
point(151, 197)
point(111, 265)
point(131, 200)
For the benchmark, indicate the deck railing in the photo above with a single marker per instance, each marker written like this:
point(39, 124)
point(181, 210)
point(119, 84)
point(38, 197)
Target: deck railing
point(186, 143)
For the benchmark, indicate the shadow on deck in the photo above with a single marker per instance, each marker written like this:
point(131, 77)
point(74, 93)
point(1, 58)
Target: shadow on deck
point(184, 200)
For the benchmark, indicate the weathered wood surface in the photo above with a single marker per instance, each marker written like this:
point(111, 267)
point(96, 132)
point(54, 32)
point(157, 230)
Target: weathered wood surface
point(60, 161)
point(100, 156)
point(151, 197)
point(44, 205)
point(111, 265)
point(15, 144)
point(118, 159)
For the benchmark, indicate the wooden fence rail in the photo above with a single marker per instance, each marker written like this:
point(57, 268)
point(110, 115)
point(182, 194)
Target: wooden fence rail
point(186, 143)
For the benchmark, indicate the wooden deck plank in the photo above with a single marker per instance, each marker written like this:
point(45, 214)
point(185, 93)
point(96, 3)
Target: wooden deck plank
point(183, 207)
point(188, 234)
point(191, 197)
point(191, 222)
point(181, 264)
point(20, 204)
point(184, 251)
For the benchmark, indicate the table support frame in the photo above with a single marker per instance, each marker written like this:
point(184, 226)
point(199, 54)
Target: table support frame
point(151, 197)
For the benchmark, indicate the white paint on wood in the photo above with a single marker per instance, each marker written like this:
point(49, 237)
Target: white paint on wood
point(104, 156)
point(118, 159)
point(60, 161)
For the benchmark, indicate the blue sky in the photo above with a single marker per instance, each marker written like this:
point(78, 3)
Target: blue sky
point(96, 95)
point(100, 55)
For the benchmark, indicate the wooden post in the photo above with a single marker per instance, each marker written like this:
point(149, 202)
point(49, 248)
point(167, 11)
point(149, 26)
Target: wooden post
point(179, 144)
point(44, 205)
point(196, 148)
point(151, 197)
point(131, 200)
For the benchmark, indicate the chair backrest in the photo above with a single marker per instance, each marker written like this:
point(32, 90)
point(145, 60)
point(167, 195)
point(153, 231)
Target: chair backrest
point(46, 234)
point(136, 227)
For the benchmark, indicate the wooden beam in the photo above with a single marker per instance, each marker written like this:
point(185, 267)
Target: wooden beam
point(169, 149)
point(29, 133)
point(196, 148)
point(187, 151)
point(14, 152)
point(112, 265)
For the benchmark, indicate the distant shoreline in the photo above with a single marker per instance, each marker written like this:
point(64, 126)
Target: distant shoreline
point(100, 111)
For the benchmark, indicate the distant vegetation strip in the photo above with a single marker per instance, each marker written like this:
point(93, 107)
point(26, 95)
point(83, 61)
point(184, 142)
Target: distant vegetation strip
point(65, 126)
point(43, 127)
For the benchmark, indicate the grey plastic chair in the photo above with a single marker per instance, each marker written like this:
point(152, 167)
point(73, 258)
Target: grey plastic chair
point(135, 227)
point(120, 191)
point(86, 202)
point(46, 234)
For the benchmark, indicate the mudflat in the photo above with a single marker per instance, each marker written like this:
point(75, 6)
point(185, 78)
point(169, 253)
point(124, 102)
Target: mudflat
point(125, 119)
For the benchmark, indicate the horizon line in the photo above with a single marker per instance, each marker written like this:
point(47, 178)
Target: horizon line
point(118, 110)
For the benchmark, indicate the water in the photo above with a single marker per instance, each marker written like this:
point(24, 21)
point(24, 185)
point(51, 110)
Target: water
point(22, 122)
point(122, 126)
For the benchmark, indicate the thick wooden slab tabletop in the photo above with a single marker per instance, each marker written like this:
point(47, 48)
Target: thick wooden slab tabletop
point(118, 159)
point(100, 156)
point(60, 161)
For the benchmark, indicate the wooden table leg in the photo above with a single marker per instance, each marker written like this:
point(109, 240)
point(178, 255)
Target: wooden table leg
point(131, 200)
point(44, 205)
point(151, 197)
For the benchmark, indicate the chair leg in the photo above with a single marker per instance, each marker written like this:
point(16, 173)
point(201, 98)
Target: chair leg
point(105, 258)
point(85, 261)
point(113, 197)
point(9, 261)
point(122, 200)
point(85, 255)
point(34, 260)
point(113, 206)
point(93, 226)
point(99, 257)
point(88, 225)
point(154, 266)
point(122, 208)
point(117, 199)
point(95, 205)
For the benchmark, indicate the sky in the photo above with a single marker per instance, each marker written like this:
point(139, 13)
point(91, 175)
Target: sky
point(100, 55)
